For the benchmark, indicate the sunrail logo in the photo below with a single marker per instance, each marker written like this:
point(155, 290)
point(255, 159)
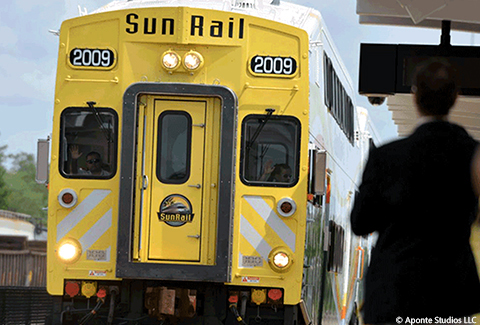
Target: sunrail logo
point(175, 210)
point(200, 26)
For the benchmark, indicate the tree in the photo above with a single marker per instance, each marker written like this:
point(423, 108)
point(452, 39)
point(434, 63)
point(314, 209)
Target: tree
point(25, 195)
point(4, 190)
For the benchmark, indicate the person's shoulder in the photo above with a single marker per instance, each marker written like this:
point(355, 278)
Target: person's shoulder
point(461, 131)
point(387, 152)
point(443, 128)
point(392, 145)
point(458, 136)
point(104, 173)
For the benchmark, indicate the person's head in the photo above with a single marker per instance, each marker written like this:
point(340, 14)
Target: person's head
point(281, 173)
point(94, 162)
point(435, 88)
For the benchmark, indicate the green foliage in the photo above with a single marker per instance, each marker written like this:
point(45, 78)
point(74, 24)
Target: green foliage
point(22, 193)
point(4, 190)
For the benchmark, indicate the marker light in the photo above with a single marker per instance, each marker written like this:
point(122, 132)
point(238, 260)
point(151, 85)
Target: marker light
point(170, 60)
point(286, 207)
point(69, 251)
point(67, 198)
point(192, 60)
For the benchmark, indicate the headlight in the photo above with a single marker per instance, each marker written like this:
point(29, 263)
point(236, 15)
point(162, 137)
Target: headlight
point(280, 259)
point(192, 60)
point(170, 60)
point(69, 251)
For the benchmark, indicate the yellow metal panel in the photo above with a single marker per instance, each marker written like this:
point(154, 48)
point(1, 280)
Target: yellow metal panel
point(154, 239)
point(211, 175)
point(256, 236)
point(176, 234)
point(90, 222)
point(140, 200)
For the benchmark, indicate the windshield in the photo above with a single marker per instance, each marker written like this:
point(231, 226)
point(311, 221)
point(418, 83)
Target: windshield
point(271, 156)
point(88, 143)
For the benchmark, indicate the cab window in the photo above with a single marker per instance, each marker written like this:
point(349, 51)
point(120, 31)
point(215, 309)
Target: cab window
point(270, 150)
point(88, 143)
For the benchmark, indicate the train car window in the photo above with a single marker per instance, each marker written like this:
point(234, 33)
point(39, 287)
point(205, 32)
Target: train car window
point(270, 150)
point(336, 247)
point(173, 147)
point(337, 100)
point(330, 83)
point(326, 82)
point(88, 142)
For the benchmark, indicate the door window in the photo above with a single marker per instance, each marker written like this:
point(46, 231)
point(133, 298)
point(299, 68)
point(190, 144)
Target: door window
point(174, 146)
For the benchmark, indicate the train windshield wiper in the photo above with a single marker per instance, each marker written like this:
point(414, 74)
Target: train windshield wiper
point(99, 119)
point(260, 127)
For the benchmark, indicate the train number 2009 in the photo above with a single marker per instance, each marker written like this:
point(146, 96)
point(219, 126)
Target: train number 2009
point(273, 65)
point(101, 58)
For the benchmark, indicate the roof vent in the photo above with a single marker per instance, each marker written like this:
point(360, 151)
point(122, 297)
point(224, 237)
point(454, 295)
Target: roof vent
point(245, 4)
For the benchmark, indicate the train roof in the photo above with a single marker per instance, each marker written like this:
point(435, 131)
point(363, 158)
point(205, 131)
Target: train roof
point(421, 13)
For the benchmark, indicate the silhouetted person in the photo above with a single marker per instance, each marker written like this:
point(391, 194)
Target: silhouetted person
point(418, 194)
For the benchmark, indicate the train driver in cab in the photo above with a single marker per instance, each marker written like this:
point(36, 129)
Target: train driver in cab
point(93, 162)
point(281, 173)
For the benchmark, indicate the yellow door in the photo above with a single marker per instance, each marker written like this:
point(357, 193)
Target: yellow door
point(176, 174)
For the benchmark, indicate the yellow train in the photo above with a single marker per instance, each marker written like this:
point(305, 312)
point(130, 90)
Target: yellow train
point(204, 159)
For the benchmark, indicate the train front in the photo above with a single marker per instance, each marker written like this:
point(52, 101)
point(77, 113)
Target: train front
point(178, 174)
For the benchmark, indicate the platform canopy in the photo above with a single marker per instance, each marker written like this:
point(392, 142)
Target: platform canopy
point(422, 13)
point(463, 15)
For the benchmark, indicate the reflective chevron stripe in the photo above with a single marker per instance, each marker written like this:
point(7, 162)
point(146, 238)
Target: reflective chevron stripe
point(83, 208)
point(273, 220)
point(254, 238)
point(96, 231)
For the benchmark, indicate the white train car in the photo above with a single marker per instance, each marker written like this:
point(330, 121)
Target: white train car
point(344, 133)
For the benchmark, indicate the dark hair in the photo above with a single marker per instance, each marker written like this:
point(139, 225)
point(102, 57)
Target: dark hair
point(91, 153)
point(435, 87)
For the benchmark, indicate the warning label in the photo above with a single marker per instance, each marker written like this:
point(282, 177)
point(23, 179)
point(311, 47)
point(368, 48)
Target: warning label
point(250, 279)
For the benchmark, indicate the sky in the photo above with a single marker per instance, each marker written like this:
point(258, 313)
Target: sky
point(28, 59)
